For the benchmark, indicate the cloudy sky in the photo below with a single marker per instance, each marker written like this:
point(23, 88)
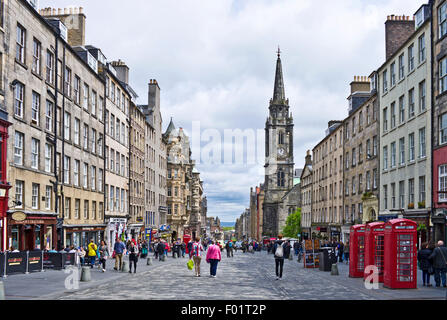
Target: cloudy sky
point(215, 62)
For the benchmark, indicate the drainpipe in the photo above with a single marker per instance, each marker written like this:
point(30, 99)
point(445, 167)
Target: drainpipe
point(432, 119)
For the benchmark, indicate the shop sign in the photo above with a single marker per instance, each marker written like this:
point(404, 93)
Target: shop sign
point(30, 222)
point(15, 262)
point(18, 216)
point(35, 262)
point(139, 219)
point(118, 220)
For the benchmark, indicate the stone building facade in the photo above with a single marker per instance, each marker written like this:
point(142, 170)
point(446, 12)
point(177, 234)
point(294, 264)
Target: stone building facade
point(439, 84)
point(117, 152)
point(137, 168)
point(52, 87)
point(361, 149)
point(404, 90)
point(327, 166)
point(155, 161)
point(306, 197)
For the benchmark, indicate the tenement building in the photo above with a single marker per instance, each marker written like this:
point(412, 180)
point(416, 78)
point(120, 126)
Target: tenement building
point(56, 170)
point(327, 200)
point(439, 128)
point(404, 91)
point(117, 151)
point(279, 157)
point(361, 175)
point(155, 162)
point(306, 197)
point(136, 174)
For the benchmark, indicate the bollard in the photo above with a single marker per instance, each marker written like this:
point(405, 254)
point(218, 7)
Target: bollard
point(334, 271)
point(125, 266)
point(2, 291)
point(149, 261)
point(86, 275)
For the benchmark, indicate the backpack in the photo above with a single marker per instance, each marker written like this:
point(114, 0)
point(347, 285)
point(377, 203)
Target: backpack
point(230, 244)
point(279, 251)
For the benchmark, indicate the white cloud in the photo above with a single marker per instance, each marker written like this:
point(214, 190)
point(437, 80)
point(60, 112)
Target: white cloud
point(215, 62)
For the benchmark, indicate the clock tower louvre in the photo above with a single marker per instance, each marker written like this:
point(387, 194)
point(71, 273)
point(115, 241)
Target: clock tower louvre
point(279, 155)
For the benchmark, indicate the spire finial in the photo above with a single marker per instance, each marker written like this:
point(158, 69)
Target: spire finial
point(279, 52)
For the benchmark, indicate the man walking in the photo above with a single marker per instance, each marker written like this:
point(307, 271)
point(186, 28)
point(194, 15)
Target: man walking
point(439, 257)
point(160, 250)
point(278, 250)
point(119, 248)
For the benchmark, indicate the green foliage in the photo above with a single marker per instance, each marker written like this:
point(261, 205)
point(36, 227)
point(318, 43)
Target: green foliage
point(293, 225)
point(228, 228)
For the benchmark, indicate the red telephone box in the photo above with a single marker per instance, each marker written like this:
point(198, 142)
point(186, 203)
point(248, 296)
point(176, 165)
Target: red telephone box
point(186, 239)
point(357, 251)
point(400, 254)
point(374, 247)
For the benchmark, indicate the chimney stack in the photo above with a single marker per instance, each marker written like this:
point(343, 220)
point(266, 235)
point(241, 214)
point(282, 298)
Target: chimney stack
point(73, 19)
point(397, 30)
point(360, 84)
point(122, 71)
point(154, 95)
point(308, 158)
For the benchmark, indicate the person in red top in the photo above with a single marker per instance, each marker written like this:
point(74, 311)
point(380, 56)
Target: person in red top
point(213, 257)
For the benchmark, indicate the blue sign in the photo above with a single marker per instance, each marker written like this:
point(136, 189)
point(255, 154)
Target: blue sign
point(387, 218)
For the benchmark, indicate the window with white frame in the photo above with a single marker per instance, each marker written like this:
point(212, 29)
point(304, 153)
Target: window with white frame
point(77, 128)
point(422, 91)
point(422, 190)
point(401, 109)
point(86, 204)
point(411, 58)
point(66, 170)
point(86, 95)
point(402, 151)
point(411, 112)
point(85, 137)
point(385, 197)
point(100, 180)
point(35, 147)
point(442, 182)
point(85, 176)
point(35, 108)
point(402, 194)
point(76, 169)
point(35, 196)
point(18, 148)
point(93, 178)
point(401, 67)
point(385, 119)
point(67, 81)
point(77, 90)
point(94, 102)
point(393, 74)
point(50, 67)
point(443, 129)
point(375, 146)
point(48, 194)
point(19, 94)
point(393, 154)
point(77, 208)
point(67, 208)
point(393, 115)
point(422, 144)
point(385, 158)
point(421, 42)
point(19, 189)
point(443, 75)
point(411, 191)
point(385, 81)
point(411, 151)
point(20, 44)
point(442, 20)
point(67, 125)
point(48, 157)
point(49, 116)
point(393, 195)
point(93, 137)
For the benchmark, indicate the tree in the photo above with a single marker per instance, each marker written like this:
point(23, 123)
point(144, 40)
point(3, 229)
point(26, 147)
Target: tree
point(293, 225)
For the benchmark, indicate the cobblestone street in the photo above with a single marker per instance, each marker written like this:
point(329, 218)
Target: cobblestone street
point(244, 277)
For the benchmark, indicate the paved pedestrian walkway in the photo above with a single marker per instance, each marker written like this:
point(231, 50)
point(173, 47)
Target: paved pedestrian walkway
point(244, 277)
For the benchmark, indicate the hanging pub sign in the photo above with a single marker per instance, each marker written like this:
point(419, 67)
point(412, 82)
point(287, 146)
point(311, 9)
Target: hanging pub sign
point(2, 264)
point(18, 216)
point(35, 262)
point(15, 262)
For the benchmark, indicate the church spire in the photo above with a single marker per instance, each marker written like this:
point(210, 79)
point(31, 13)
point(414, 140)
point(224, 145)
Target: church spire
point(278, 92)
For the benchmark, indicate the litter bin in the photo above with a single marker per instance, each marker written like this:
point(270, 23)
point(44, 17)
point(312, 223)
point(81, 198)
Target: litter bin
point(325, 259)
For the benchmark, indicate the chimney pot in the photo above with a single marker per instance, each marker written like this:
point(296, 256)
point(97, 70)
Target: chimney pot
point(81, 9)
point(65, 10)
point(71, 10)
point(59, 11)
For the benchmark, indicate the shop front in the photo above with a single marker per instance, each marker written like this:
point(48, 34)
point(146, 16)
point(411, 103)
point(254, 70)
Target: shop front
point(80, 235)
point(30, 231)
point(116, 228)
point(335, 232)
point(135, 231)
point(4, 184)
point(424, 226)
point(345, 233)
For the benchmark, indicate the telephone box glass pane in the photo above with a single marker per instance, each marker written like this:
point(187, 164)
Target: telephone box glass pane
point(379, 252)
point(404, 258)
point(361, 253)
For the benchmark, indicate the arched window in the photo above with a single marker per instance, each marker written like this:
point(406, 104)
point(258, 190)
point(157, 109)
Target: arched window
point(281, 178)
point(281, 138)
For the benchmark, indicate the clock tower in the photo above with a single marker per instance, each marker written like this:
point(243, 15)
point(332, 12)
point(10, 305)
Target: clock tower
point(278, 155)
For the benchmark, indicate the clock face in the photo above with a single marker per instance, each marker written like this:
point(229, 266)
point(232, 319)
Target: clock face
point(281, 152)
